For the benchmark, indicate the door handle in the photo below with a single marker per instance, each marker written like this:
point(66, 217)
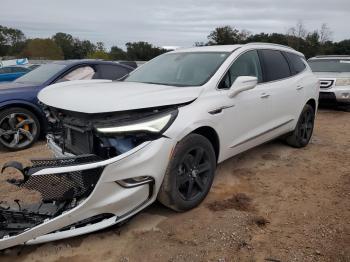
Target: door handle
point(299, 87)
point(264, 95)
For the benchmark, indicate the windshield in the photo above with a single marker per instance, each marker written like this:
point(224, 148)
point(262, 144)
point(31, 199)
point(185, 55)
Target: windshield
point(179, 69)
point(41, 74)
point(330, 65)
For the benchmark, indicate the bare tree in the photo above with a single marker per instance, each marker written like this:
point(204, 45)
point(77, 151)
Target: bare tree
point(243, 35)
point(298, 30)
point(325, 33)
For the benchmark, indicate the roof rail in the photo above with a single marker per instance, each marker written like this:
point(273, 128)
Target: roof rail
point(322, 56)
point(264, 43)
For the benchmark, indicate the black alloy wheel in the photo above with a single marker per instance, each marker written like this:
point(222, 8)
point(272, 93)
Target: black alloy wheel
point(19, 128)
point(302, 133)
point(193, 174)
point(189, 175)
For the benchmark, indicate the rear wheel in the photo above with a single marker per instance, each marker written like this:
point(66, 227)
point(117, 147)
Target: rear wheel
point(189, 175)
point(302, 133)
point(19, 128)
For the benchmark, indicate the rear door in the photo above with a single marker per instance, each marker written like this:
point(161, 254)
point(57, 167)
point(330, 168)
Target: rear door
point(302, 82)
point(281, 91)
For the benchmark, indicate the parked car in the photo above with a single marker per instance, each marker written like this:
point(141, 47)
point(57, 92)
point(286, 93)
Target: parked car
point(10, 73)
point(159, 134)
point(334, 75)
point(21, 118)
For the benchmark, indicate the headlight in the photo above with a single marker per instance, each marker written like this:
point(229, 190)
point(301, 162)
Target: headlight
point(155, 124)
point(343, 82)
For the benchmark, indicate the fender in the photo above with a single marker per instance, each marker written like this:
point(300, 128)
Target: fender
point(31, 106)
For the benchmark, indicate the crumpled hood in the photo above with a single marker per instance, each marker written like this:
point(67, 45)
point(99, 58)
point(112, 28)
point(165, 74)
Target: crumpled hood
point(101, 96)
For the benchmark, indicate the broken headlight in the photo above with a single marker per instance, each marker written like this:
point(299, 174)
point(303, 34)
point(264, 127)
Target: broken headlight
point(155, 124)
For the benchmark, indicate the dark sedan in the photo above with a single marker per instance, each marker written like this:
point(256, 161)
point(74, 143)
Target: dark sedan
point(22, 120)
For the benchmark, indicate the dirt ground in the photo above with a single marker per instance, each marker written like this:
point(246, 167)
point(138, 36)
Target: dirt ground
point(272, 203)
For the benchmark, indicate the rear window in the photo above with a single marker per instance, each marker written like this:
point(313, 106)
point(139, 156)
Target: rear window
point(18, 69)
point(111, 72)
point(5, 70)
point(330, 65)
point(275, 65)
point(296, 62)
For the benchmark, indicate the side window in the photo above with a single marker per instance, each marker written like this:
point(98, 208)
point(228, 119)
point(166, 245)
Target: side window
point(6, 70)
point(296, 62)
point(18, 69)
point(111, 72)
point(275, 65)
point(248, 64)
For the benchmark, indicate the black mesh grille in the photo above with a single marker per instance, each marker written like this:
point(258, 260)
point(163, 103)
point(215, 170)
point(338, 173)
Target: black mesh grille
point(67, 161)
point(64, 186)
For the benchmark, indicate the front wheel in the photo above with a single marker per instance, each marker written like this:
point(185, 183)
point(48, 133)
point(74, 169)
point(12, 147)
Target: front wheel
point(302, 133)
point(190, 174)
point(19, 128)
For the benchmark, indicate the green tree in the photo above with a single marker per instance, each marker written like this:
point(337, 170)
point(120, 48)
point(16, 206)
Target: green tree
point(225, 35)
point(143, 51)
point(98, 55)
point(341, 48)
point(66, 43)
point(12, 41)
point(42, 49)
point(117, 53)
point(83, 48)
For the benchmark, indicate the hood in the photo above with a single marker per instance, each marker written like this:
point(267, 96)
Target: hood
point(14, 85)
point(16, 91)
point(332, 74)
point(102, 96)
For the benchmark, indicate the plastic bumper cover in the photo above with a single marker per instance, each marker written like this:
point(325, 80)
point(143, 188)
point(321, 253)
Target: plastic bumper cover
point(110, 195)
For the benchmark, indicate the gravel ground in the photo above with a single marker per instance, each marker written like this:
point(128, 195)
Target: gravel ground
point(272, 203)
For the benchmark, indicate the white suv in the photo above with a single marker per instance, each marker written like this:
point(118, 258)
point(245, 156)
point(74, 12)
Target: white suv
point(159, 134)
point(334, 74)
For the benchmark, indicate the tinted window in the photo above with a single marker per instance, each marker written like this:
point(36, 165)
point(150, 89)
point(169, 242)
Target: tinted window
point(275, 65)
point(111, 72)
point(330, 65)
point(5, 70)
point(296, 62)
point(179, 69)
point(247, 64)
point(18, 69)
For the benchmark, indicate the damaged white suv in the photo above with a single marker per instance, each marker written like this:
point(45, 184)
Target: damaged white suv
point(159, 134)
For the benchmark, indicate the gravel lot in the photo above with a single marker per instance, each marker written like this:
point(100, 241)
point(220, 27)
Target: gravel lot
point(272, 203)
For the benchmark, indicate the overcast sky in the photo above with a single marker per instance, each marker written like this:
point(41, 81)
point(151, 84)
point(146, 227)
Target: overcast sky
point(169, 23)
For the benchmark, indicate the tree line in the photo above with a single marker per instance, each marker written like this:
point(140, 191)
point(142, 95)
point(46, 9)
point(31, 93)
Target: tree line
point(13, 43)
point(316, 42)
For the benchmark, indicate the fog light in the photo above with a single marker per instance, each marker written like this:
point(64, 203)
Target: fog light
point(345, 95)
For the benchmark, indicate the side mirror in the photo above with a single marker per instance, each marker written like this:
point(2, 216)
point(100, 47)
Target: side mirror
point(242, 83)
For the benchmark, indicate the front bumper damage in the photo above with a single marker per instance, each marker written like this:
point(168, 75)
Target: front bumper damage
point(82, 194)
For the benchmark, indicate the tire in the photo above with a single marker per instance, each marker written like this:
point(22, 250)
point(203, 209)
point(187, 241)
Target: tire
point(189, 175)
point(302, 133)
point(19, 128)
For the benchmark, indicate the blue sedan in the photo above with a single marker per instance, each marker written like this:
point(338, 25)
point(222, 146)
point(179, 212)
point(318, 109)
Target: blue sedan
point(22, 120)
point(10, 73)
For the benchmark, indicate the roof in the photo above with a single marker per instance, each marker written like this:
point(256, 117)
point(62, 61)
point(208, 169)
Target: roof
point(89, 61)
point(231, 48)
point(211, 48)
point(320, 57)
